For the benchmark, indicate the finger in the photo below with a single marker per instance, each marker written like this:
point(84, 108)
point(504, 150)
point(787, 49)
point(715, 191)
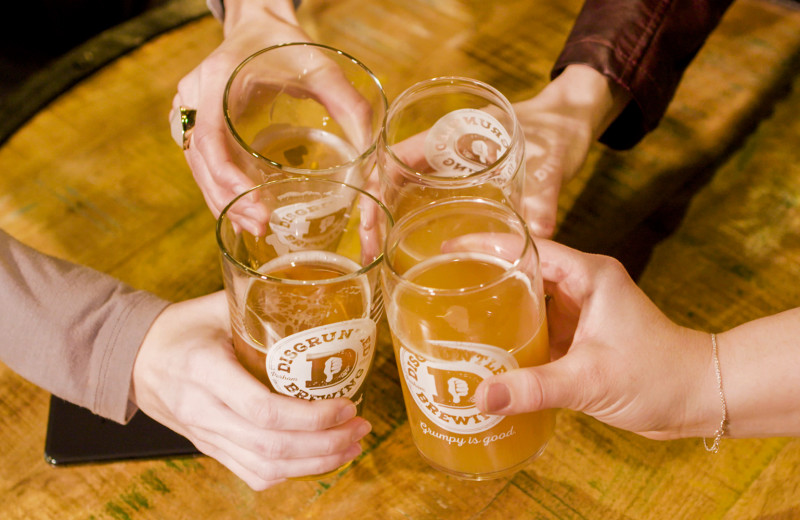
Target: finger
point(255, 482)
point(370, 229)
point(411, 152)
point(560, 263)
point(542, 186)
point(218, 177)
point(345, 104)
point(250, 442)
point(528, 389)
point(248, 397)
point(271, 469)
point(250, 212)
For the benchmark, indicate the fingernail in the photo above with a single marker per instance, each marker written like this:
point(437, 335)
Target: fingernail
point(346, 413)
point(498, 397)
point(361, 431)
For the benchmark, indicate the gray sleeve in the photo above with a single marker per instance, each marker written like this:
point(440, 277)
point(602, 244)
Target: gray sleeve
point(70, 329)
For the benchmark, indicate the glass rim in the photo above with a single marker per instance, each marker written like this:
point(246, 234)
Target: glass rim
point(289, 169)
point(252, 273)
point(513, 268)
point(452, 80)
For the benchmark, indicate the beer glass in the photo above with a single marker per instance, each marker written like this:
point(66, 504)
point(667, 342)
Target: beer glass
point(303, 109)
point(302, 285)
point(447, 137)
point(462, 306)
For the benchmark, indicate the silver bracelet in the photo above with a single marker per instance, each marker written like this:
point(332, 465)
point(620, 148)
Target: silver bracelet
point(714, 447)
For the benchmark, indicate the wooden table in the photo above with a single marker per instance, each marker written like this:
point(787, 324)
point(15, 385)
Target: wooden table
point(95, 178)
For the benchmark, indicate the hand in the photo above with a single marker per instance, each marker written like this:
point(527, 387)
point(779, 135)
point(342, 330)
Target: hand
point(248, 28)
point(560, 124)
point(617, 357)
point(187, 377)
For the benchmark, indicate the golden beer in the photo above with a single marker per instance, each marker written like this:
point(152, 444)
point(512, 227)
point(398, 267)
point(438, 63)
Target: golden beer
point(465, 302)
point(302, 291)
point(276, 311)
point(458, 346)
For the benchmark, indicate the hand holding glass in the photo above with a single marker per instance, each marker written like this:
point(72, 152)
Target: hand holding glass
point(304, 109)
point(448, 137)
point(303, 286)
point(461, 309)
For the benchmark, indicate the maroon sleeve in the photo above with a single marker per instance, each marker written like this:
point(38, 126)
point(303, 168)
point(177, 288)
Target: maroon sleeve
point(644, 46)
point(71, 330)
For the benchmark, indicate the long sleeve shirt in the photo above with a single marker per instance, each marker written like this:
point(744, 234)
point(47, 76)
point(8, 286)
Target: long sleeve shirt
point(70, 329)
point(645, 47)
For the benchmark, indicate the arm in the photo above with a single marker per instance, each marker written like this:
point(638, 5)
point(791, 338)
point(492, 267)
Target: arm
point(613, 80)
point(94, 341)
point(620, 360)
point(71, 330)
point(644, 46)
point(560, 124)
point(760, 361)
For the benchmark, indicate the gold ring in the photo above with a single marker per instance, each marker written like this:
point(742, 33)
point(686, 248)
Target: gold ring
point(181, 124)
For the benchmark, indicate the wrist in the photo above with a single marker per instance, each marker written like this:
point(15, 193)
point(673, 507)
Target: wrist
point(593, 95)
point(244, 11)
point(702, 409)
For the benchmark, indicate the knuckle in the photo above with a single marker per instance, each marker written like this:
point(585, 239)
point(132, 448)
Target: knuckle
point(185, 412)
point(316, 420)
point(545, 227)
point(532, 391)
point(330, 444)
point(612, 267)
point(265, 413)
point(272, 447)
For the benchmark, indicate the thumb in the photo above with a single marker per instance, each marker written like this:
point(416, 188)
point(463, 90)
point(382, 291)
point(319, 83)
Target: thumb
point(527, 390)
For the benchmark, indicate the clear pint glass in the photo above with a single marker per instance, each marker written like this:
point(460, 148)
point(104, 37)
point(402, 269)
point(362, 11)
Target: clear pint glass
point(304, 109)
point(448, 137)
point(301, 275)
point(462, 306)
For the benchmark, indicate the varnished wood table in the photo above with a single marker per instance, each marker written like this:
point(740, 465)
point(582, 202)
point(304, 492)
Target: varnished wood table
point(95, 178)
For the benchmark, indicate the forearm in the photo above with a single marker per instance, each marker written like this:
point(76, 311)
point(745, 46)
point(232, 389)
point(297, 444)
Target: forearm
point(587, 95)
point(760, 363)
point(71, 330)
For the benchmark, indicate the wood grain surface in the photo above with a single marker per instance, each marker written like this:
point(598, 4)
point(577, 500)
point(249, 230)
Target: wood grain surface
point(95, 178)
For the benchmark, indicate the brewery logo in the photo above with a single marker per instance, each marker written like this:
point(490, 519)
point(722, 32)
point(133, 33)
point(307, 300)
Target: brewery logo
point(444, 387)
point(466, 141)
point(323, 362)
point(308, 225)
